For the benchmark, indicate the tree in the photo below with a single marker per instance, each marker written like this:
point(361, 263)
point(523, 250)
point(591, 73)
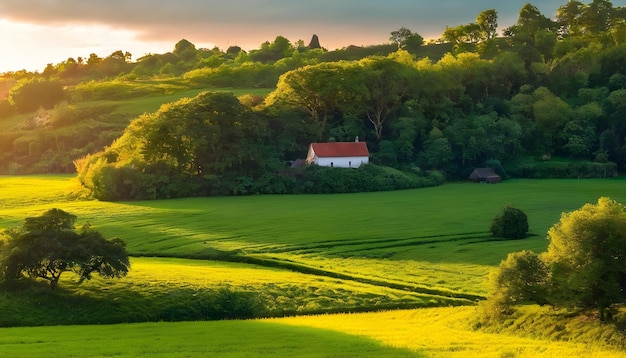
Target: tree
point(568, 18)
point(406, 39)
point(488, 23)
point(322, 89)
point(520, 278)
point(437, 152)
point(400, 36)
point(272, 52)
point(587, 256)
point(185, 50)
point(195, 146)
point(46, 246)
point(551, 114)
point(510, 223)
point(596, 18)
point(28, 95)
point(530, 30)
point(386, 86)
point(462, 35)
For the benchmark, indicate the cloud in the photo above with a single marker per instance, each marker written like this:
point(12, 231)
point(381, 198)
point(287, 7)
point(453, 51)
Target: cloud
point(255, 21)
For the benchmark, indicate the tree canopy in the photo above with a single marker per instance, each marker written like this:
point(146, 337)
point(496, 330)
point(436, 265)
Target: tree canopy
point(583, 267)
point(510, 223)
point(586, 256)
point(46, 246)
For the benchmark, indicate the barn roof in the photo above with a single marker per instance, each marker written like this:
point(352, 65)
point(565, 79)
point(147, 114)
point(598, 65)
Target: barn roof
point(341, 149)
point(483, 173)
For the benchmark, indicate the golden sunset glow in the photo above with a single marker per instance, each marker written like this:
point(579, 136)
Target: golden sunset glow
point(32, 47)
point(34, 33)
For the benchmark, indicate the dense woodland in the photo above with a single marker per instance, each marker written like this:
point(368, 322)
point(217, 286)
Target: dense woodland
point(547, 98)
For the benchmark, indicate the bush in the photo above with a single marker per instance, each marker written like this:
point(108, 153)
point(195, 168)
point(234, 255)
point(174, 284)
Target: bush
point(28, 95)
point(510, 223)
point(6, 110)
point(561, 169)
point(367, 178)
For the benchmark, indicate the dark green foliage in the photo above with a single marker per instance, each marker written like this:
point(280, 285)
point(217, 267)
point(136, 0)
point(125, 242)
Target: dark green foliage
point(510, 223)
point(32, 304)
point(272, 52)
point(220, 304)
point(325, 180)
point(208, 145)
point(28, 95)
point(46, 246)
point(536, 169)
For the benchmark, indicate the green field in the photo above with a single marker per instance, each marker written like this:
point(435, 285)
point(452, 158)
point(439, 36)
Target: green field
point(425, 239)
point(296, 254)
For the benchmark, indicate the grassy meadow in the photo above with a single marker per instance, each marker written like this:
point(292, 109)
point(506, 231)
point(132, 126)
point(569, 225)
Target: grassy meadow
point(430, 332)
point(291, 255)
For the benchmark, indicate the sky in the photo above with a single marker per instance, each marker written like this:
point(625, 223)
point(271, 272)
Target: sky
point(34, 33)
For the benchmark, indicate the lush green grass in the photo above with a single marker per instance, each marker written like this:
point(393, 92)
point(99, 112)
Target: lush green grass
point(366, 251)
point(191, 339)
point(432, 239)
point(432, 332)
point(158, 289)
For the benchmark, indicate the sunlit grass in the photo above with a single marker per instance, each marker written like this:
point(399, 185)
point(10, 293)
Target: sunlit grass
point(432, 332)
point(447, 332)
point(434, 238)
point(177, 289)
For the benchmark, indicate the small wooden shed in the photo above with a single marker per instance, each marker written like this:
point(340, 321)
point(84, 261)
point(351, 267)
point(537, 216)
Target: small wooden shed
point(485, 175)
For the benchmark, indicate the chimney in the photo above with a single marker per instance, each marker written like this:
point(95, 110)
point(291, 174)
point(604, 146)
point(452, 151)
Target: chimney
point(356, 139)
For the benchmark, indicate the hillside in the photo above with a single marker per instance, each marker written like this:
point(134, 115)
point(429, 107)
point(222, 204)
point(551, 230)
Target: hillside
point(547, 91)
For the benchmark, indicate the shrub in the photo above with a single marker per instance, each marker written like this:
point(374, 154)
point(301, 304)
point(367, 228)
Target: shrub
point(28, 95)
point(563, 169)
point(510, 223)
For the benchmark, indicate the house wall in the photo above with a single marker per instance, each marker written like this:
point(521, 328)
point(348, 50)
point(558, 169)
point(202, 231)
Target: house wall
point(341, 162)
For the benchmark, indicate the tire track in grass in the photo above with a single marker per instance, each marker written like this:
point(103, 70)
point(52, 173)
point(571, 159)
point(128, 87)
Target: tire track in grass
point(379, 243)
point(463, 298)
point(410, 242)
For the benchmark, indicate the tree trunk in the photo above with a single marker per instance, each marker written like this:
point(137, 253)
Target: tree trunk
point(54, 282)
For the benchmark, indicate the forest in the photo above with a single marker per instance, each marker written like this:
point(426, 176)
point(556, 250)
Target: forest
point(542, 98)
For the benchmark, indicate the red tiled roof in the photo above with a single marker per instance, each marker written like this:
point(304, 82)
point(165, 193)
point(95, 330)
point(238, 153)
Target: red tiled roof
point(341, 149)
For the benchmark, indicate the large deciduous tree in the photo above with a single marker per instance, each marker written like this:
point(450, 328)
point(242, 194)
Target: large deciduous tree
point(406, 39)
point(322, 89)
point(488, 23)
point(176, 150)
point(46, 246)
point(533, 35)
point(587, 256)
point(386, 85)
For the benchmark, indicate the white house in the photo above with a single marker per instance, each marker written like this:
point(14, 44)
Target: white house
point(338, 154)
